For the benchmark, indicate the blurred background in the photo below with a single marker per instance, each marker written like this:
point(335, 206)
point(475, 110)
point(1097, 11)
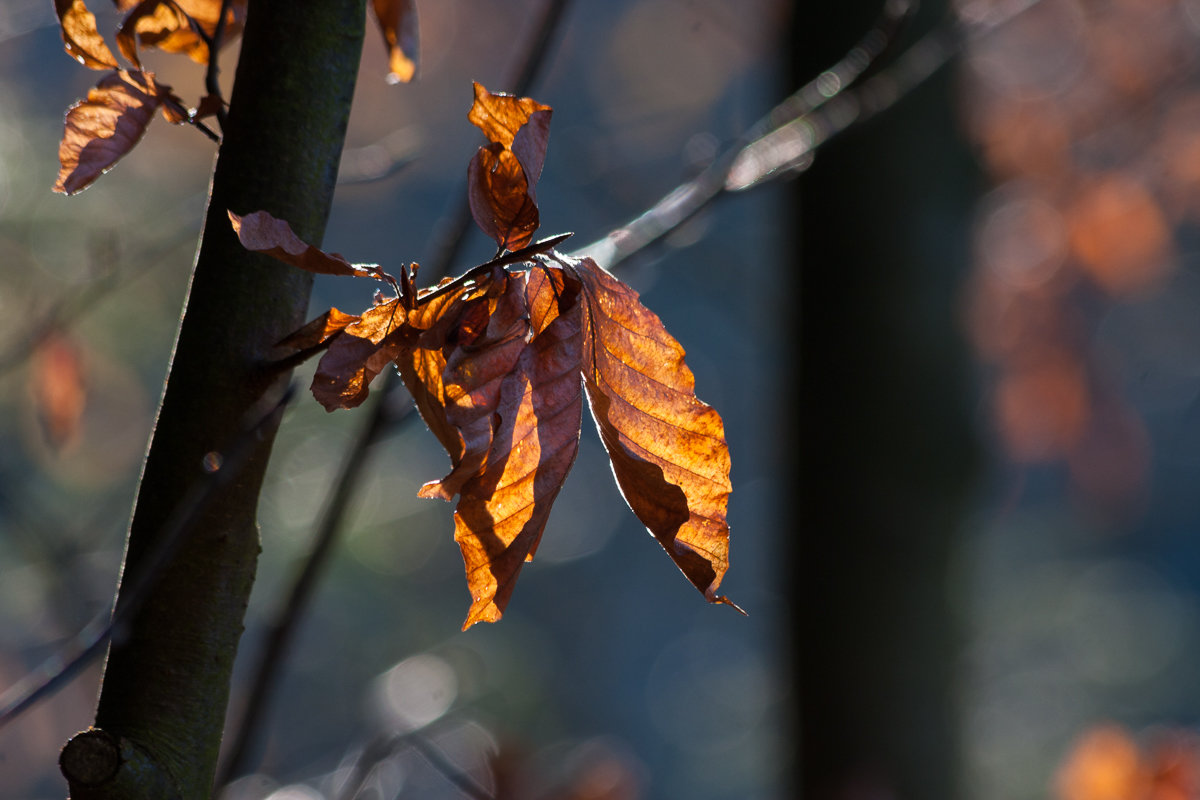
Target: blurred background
point(956, 361)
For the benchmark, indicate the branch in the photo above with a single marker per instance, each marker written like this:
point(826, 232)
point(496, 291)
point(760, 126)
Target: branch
point(784, 141)
point(57, 671)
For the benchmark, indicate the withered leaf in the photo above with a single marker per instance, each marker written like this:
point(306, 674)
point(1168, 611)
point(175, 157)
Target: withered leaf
point(502, 177)
point(667, 448)
point(179, 31)
point(104, 127)
point(500, 197)
point(81, 37)
point(358, 352)
point(500, 116)
point(263, 233)
point(398, 22)
point(503, 509)
point(319, 330)
point(479, 351)
point(162, 24)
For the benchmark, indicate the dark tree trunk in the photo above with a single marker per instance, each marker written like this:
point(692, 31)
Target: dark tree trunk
point(166, 683)
point(885, 443)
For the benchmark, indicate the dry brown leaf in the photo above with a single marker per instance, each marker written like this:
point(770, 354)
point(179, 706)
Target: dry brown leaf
point(162, 24)
point(319, 330)
point(502, 510)
point(502, 177)
point(500, 197)
point(172, 34)
point(479, 351)
point(667, 448)
point(501, 116)
point(357, 353)
point(263, 233)
point(398, 22)
point(104, 127)
point(81, 37)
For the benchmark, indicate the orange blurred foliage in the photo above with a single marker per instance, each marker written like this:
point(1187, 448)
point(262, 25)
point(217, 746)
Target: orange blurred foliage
point(1083, 119)
point(1107, 763)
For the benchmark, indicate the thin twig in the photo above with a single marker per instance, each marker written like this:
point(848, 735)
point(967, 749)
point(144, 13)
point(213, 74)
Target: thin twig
point(212, 84)
point(56, 672)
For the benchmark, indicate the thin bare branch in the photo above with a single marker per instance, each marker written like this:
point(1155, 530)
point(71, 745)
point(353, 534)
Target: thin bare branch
point(218, 471)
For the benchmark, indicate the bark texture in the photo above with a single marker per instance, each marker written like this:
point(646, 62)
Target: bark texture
point(166, 683)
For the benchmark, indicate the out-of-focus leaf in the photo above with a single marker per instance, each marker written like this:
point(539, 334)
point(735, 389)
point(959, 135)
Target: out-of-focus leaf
point(502, 177)
point(59, 388)
point(162, 24)
point(104, 127)
point(177, 32)
point(502, 510)
point(500, 198)
point(667, 448)
point(263, 233)
point(398, 21)
point(81, 37)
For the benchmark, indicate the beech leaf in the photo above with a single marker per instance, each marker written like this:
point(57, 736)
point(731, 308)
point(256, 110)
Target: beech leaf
point(263, 233)
point(356, 354)
point(502, 177)
point(162, 24)
point(667, 448)
point(500, 197)
point(503, 509)
point(81, 37)
point(104, 127)
point(180, 32)
point(398, 22)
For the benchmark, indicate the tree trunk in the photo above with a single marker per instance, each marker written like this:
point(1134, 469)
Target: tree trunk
point(885, 438)
point(166, 683)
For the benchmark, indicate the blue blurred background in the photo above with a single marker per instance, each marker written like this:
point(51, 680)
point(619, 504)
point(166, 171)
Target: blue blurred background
point(1056, 272)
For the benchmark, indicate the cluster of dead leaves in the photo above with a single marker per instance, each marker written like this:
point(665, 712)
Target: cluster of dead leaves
point(499, 360)
point(111, 120)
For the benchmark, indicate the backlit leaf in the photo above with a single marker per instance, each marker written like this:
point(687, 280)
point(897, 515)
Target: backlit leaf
point(358, 353)
point(263, 233)
point(500, 197)
point(502, 177)
point(667, 448)
point(502, 510)
point(398, 22)
point(173, 34)
point(104, 127)
point(162, 24)
point(81, 37)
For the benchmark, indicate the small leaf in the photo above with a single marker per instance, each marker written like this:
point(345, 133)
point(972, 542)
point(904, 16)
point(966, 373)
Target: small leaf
point(175, 26)
point(81, 37)
point(358, 352)
point(158, 23)
point(667, 448)
point(500, 116)
point(398, 22)
point(104, 127)
point(319, 330)
point(500, 197)
point(263, 233)
point(502, 177)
